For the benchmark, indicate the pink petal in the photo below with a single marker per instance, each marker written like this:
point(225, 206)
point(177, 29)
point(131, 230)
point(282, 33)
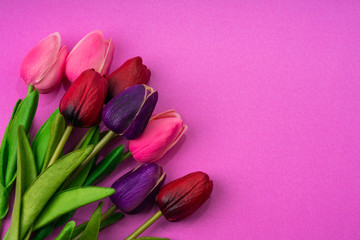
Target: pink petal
point(40, 59)
point(167, 114)
point(104, 69)
point(88, 53)
point(53, 77)
point(156, 139)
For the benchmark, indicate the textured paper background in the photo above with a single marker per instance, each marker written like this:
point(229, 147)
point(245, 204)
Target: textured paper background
point(269, 89)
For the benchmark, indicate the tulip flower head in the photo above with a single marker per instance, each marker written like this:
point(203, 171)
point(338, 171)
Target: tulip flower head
point(91, 52)
point(182, 197)
point(162, 132)
point(129, 112)
point(43, 67)
point(137, 188)
point(82, 104)
point(131, 73)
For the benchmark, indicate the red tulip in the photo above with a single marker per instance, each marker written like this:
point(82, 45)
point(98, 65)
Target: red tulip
point(179, 199)
point(82, 104)
point(131, 73)
point(182, 197)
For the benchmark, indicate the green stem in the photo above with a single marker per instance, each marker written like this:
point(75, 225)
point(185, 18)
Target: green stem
point(78, 146)
point(126, 155)
point(61, 145)
point(145, 226)
point(108, 212)
point(105, 140)
point(30, 89)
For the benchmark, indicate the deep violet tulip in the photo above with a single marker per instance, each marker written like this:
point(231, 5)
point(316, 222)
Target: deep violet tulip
point(82, 104)
point(131, 73)
point(137, 188)
point(182, 197)
point(129, 112)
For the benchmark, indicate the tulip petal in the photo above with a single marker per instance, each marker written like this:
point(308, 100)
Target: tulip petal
point(167, 114)
point(133, 189)
point(129, 112)
point(82, 104)
point(121, 110)
point(142, 118)
point(108, 57)
point(158, 137)
point(182, 197)
point(54, 74)
point(88, 53)
point(183, 130)
point(40, 59)
point(131, 73)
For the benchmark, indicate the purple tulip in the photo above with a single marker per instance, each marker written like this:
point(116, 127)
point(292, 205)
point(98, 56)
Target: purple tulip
point(129, 112)
point(137, 188)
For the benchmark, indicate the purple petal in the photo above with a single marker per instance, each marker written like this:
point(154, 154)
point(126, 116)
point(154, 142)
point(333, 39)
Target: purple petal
point(132, 189)
point(138, 125)
point(119, 113)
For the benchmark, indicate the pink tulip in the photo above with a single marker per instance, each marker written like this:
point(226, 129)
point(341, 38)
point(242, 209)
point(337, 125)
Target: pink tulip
point(162, 132)
point(91, 52)
point(43, 66)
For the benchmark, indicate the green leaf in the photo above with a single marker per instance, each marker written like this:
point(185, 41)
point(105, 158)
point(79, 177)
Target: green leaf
point(67, 231)
point(43, 232)
point(64, 219)
point(4, 198)
point(4, 153)
point(106, 166)
point(93, 227)
point(26, 174)
point(26, 159)
point(69, 200)
point(24, 115)
point(41, 140)
point(92, 138)
point(46, 184)
point(113, 218)
point(56, 132)
point(4, 144)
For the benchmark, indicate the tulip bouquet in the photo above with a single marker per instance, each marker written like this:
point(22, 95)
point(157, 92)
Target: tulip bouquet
point(52, 184)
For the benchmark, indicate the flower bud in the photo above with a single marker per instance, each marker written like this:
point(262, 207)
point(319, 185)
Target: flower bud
point(132, 72)
point(182, 197)
point(129, 112)
point(91, 52)
point(137, 188)
point(43, 67)
point(82, 104)
point(162, 133)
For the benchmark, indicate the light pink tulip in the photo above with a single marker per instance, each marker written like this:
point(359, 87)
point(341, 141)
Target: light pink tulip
point(162, 133)
point(91, 52)
point(43, 66)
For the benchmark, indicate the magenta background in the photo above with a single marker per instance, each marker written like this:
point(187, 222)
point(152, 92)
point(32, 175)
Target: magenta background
point(269, 90)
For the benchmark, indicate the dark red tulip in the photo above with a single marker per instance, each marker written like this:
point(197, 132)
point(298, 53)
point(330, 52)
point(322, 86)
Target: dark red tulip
point(182, 197)
point(82, 104)
point(131, 73)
